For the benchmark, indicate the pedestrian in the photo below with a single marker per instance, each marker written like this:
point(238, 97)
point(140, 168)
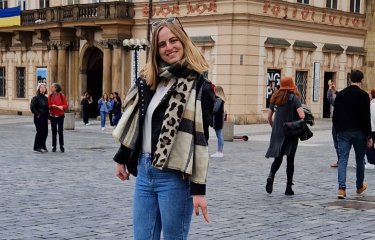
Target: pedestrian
point(285, 103)
point(117, 108)
point(169, 155)
point(39, 107)
point(103, 105)
point(218, 120)
point(86, 101)
point(351, 119)
point(111, 104)
point(331, 96)
point(57, 105)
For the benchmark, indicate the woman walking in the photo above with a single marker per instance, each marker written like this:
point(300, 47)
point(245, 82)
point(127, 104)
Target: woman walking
point(288, 104)
point(39, 106)
point(218, 120)
point(162, 136)
point(86, 100)
point(103, 109)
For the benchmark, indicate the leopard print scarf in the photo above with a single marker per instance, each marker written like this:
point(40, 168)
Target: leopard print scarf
point(182, 145)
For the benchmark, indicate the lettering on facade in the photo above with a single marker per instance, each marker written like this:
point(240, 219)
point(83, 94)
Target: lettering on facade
point(272, 83)
point(309, 14)
point(174, 9)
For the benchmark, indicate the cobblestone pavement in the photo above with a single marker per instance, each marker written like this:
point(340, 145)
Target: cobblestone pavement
point(75, 195)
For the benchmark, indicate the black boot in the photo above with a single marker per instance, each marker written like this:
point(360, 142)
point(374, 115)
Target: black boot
point(289, 190)
point(269, 186)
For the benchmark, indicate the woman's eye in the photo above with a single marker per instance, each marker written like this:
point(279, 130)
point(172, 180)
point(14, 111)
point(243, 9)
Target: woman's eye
point(173, 40)
point(162, 44)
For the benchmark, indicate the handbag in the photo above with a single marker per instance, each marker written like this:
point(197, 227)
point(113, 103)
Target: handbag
point(293, 128)
point(307, 134)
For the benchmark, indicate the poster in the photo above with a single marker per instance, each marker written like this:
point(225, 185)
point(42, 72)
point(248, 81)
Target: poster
point(272, 83)
point(41, 75)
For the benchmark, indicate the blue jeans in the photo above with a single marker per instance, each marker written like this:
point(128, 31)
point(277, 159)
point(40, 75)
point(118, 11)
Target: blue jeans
point(162, 201)
point(220, 139)
point(345, 140)
point(103, 116)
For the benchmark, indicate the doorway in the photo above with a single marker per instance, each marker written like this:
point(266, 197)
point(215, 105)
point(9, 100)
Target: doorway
point(94, 73)
point(326, 104)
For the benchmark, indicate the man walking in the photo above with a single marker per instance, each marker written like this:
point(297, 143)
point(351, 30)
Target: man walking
point(351, 120)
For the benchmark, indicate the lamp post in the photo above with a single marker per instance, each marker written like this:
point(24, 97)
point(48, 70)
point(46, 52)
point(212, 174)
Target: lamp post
point(135, 45)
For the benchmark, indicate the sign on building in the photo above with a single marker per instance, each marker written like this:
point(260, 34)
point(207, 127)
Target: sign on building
point(273, 83)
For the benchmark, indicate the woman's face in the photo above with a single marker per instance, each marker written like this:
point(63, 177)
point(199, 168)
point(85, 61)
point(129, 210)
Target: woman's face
point(42, 89)
point(169, 46)
point(53, 88)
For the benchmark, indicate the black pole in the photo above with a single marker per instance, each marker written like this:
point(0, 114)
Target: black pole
point(149, 25)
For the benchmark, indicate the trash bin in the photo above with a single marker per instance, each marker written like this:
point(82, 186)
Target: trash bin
point(228, 130)
point(69, 121)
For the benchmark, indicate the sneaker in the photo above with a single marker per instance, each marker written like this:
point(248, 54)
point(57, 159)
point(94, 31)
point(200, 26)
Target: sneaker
point(217, 155)
point(44, 150)
point(341, 194)
point(103, 128)
point(87, 124)
point(38, 151)
point(62, 149)
point(54, 149)
point(362, 189)
point(334, 165)
point(369, 166)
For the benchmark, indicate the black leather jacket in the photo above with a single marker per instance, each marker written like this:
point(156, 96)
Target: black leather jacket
point(130, 157)
point(39, 105)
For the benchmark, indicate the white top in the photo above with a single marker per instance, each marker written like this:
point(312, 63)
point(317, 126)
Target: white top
point(160, 92)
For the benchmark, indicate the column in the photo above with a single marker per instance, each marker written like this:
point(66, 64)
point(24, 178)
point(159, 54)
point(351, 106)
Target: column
point(61, 65)
point(116, 67)
point(107, 69)
point(53, 62)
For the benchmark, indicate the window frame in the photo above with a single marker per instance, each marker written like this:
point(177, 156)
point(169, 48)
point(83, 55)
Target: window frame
point(332, 4)
point(3, 91)
point(355, 6)
point(304, 2)
point(3, 4)
point(45, 4)
point(20, 90)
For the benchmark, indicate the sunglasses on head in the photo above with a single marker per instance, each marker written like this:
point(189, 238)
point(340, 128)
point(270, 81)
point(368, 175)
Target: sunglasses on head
point(172, 20)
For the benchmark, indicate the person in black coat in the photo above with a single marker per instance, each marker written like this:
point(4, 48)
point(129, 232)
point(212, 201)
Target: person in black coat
point(86, 100)
point(218, 120)
point(39, 107)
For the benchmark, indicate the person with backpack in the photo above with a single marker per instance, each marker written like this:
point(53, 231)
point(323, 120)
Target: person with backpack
point(57, 105)
point(39, 107)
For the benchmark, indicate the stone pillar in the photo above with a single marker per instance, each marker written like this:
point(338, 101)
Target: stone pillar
point(370, 45)
point(107, 67)
point(53, 63)
point(116, 66)
point(61, 64)
point(74, 87)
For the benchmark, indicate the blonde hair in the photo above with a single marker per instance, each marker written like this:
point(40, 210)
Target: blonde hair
point(192, 57)
point(219, 91)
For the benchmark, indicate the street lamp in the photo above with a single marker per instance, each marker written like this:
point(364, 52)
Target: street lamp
point(135, 45)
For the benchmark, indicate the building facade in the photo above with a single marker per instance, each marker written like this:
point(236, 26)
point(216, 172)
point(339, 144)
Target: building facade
point(249, 45)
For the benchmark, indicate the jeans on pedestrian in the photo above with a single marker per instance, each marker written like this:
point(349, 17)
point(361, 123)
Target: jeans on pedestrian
point(57, 125)
point(103, 116)
point(162, 202)
point(41, 125)
point(345, 140)
point(220, 139)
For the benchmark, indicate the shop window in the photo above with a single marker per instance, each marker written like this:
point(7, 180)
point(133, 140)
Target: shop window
point(355, 6)
point(20, 82)
point(2, 82)
point(301, 82)
point(304, 1)
point(331, 4)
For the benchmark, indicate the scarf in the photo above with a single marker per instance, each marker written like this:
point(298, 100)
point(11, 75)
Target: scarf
point(182, 145)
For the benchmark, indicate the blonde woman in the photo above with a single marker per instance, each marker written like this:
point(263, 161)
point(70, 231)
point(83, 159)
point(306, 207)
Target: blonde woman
point(103, 109)
point(218, 120)
point(161, 131)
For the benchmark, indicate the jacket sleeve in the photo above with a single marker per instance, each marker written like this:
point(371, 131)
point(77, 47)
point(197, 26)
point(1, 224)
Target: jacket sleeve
point(197, 189)
point(33, 106)
point(64, 102)
point(208, 100)
point(217, 104)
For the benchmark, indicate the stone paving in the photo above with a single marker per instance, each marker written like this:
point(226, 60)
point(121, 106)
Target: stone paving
point(75, 195)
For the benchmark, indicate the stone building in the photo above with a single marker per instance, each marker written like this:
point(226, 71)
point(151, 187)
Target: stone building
point(248, 43)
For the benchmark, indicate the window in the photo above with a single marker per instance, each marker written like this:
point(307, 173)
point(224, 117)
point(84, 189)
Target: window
point(355, 6)
point(301, 82)
point(43, 3)
point(304, 1)
point(2, 82)
point(331, 4)
point(70, 2)
point(20, 81)
point(3, 4)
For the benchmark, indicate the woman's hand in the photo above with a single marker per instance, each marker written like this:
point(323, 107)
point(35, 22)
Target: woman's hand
point(122, 172)
point(199, 201)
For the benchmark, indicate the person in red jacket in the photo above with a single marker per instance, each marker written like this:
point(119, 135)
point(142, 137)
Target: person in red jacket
point(57, 105)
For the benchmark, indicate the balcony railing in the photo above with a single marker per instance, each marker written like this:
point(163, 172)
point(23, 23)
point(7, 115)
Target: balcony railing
point(79, 12)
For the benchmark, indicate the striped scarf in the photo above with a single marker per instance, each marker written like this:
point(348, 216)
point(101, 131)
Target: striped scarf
point(182, 145)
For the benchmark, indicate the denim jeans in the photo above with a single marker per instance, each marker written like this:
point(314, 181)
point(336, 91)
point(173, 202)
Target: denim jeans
point(162, 202)
point(345, 140)
point(103, 116)
point(57, 126)
point(220, 139)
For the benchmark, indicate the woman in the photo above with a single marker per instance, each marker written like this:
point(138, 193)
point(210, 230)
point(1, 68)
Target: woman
point(370, 151)
point(288, 104)
point(170, 153)
point(117, 108)
point(39, 106)
point(218, 120)
point(86, 100)
point(103, 105)
point(57, 105)
point(111, 104)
